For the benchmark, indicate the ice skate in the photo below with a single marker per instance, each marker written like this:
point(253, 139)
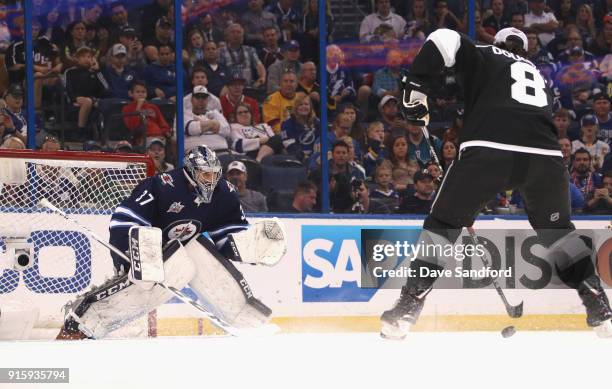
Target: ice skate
point(599, 314)
point(396, 322)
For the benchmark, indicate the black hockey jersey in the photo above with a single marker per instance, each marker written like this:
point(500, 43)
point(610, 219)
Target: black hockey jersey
point(168, 201)
point(507, 103)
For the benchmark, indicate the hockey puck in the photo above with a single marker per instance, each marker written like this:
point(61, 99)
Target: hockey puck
point(508, 331)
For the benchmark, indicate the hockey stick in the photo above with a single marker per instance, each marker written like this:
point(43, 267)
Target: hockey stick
point(217, 321)
point(514, 311)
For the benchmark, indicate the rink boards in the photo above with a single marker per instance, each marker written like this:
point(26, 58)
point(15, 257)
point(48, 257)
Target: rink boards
point(315, 287)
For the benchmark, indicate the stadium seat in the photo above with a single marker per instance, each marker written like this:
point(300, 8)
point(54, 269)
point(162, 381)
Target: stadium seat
point(275, 178)
point(281, 160)
point(280, 201)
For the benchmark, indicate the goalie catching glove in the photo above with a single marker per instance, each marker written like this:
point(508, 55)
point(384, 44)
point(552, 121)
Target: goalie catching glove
point(414, 103)
point(263, 243)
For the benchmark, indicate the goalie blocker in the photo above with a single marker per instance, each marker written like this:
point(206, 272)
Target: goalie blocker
point(216, 281)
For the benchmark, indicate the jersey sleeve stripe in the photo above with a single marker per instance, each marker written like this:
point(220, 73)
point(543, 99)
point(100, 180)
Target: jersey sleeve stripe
point(507, 147)
point(227, 230)
point(118, 224)
point(131, 214)
point(447, 42)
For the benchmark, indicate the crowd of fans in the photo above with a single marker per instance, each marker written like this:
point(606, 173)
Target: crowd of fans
point(252, 93)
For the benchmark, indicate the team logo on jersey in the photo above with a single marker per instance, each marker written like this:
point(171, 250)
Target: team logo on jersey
point(198, 200)
point(167, 179)
point(176, 207)
point(182, 230)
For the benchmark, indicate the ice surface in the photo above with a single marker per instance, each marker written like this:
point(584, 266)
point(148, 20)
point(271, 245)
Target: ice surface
point(324, 361)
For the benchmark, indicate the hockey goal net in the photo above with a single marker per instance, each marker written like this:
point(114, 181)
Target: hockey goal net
point(63, 261)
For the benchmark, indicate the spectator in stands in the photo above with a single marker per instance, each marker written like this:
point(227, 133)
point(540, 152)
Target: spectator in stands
point(257, 140)
point(340, 83)
point(199, 77)
point(162, 36)
point(419, 200)
point(287, 18)
point(270, 51)
point(374, 147)
point(354, 154)
point(402, 179)
point(251, 200)
point(75, 39)
point(607, 165)
point(601, 110)
point(574, 41)
point(51, 144)
point(156, 149)
point(384, 191)
point(562, 121)
point(92, 145)
point(444, 17)
point(582, 176)
point(307, 83)
point(600, 201)
point(341, 128)
point(300, 132)
point(397, 147)
point(194, 52)
point(160, 76)
point(418, 147)
point(498, 19)
point(277, 106)
point(151, 13)
point(383, 15)
point(85, 85)
point(143, 119)
point(544, 23)
point(118, 74)
point(12, 118)
point(235, 95)
point(535, 52)
point(135, 52)
point(418, 21)
point(119, 20)
point(389, 115)
point(13, 143)
point(586, 23)
point(387, 79)
point(218, 74)
point(304, 197)
point(123, 147)
point(449, 154)
point(255, 20)
point(602, 44)
point(566, 14)
point(309, 28)
point(205, 127)
point(517, 20)
point(357, 126)
point(51, 26)
point(566, 151)
point(242, 58)
point(290, 63)
point(588, 140)
point(211, 33)
point(485, 35)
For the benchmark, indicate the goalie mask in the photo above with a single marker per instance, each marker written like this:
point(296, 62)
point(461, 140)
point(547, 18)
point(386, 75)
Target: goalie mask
point(204, 170)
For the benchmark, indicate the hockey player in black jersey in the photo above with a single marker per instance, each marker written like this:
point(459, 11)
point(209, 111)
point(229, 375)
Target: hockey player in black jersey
point(196, 217)
point(508, 141)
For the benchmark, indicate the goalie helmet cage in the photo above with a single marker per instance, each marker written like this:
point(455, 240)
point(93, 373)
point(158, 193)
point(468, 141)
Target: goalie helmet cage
point(64, 262)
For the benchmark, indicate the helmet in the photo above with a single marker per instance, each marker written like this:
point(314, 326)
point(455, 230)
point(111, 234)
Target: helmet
point(202, 159)
point(505, 33)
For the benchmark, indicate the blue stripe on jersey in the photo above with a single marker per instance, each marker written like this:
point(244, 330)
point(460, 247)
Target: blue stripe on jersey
point(132, 215)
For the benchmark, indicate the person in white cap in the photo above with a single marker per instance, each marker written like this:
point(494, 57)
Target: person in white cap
point(203, 126)
point(251, 200)
point(117, 73)
point(156, 149)
point(508, 141)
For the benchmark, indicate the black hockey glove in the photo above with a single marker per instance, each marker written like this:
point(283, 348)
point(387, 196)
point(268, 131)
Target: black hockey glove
point(414, 104)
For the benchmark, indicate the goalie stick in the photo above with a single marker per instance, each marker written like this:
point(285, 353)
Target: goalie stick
point(514, 311)
point(217, 321)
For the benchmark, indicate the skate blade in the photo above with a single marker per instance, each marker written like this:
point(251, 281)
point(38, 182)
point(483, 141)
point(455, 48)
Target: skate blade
point(395, 332)
point(604, 330)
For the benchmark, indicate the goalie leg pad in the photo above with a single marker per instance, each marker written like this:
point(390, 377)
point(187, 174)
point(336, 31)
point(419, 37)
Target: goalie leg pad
point(223, 287)
point(118, 301)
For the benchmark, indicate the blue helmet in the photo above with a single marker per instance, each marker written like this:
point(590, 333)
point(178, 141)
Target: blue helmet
point(204, 169)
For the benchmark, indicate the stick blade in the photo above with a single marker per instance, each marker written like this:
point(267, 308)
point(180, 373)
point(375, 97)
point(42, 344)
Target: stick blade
point(515, 311)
